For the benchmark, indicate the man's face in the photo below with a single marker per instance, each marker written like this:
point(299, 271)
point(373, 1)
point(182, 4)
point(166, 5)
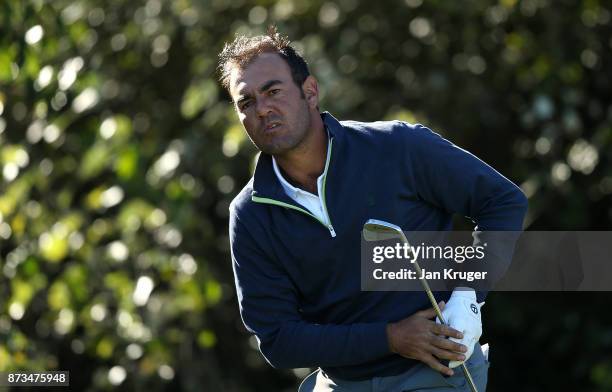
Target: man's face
point(270, 106)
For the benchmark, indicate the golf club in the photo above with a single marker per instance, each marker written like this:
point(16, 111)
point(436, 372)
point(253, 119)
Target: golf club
point(376, 230)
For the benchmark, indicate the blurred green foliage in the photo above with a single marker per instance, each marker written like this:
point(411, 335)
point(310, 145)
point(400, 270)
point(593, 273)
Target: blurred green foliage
point(120, 153)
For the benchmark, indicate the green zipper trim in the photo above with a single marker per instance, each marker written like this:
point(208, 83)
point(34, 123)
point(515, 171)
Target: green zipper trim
point(266, 200)
point(329, 151)
point(330, 227)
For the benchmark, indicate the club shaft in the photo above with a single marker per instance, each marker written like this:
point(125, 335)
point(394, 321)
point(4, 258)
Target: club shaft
point(434, 303)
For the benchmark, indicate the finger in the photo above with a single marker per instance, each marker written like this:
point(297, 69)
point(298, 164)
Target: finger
point(446, 354)
point(445, 330)
point(448, 345)
point(433, 363)
point(431, 312)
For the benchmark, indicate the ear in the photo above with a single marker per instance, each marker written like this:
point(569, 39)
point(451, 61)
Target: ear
point(311, 91)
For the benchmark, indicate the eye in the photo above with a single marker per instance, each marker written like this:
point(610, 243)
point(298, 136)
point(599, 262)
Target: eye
point(244, 105)
point(274, 91)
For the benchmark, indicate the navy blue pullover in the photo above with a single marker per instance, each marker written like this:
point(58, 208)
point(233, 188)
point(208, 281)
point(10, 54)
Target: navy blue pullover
point(299, 286)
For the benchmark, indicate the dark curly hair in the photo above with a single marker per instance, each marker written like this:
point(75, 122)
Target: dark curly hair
point(243, 50)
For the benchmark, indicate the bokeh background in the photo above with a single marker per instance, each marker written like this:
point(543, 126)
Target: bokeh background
point(120, 153)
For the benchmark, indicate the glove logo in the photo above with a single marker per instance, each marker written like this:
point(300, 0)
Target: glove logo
point(474, 308)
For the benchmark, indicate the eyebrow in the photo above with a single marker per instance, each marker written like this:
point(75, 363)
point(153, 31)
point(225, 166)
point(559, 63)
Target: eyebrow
point(261, 89)
point(269, 84)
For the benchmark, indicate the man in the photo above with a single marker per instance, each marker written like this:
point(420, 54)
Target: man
point(295, 230)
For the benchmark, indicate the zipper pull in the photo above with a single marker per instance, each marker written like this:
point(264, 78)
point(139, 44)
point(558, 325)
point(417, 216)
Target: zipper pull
point(331, 231)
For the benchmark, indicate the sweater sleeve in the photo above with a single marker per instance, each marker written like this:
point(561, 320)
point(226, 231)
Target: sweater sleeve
point(456, 181)
point(269, 308)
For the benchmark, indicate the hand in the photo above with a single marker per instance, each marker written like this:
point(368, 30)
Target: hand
point(418, 337)
point(463, 314)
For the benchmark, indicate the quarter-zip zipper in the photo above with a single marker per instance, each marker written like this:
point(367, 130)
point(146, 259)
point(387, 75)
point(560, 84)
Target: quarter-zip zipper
point(330, 227)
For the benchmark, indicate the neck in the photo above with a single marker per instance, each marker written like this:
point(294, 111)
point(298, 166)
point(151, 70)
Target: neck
point(303, 165)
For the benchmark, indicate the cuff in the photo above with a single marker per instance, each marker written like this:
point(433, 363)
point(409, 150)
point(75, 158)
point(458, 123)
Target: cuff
point(464, 292)
point(380, 341)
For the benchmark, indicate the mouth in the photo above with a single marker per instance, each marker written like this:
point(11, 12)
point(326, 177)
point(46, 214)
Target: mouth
point(272, 125)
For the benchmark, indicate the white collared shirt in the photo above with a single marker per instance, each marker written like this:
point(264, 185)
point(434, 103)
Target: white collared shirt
point(313, 203)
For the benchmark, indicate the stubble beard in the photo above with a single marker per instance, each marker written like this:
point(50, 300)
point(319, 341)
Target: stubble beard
point(294, 136)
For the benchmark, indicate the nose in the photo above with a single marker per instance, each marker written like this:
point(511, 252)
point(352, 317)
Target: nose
point(262, 108)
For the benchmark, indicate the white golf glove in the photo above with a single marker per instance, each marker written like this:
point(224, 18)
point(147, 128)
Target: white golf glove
point(462, 313)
